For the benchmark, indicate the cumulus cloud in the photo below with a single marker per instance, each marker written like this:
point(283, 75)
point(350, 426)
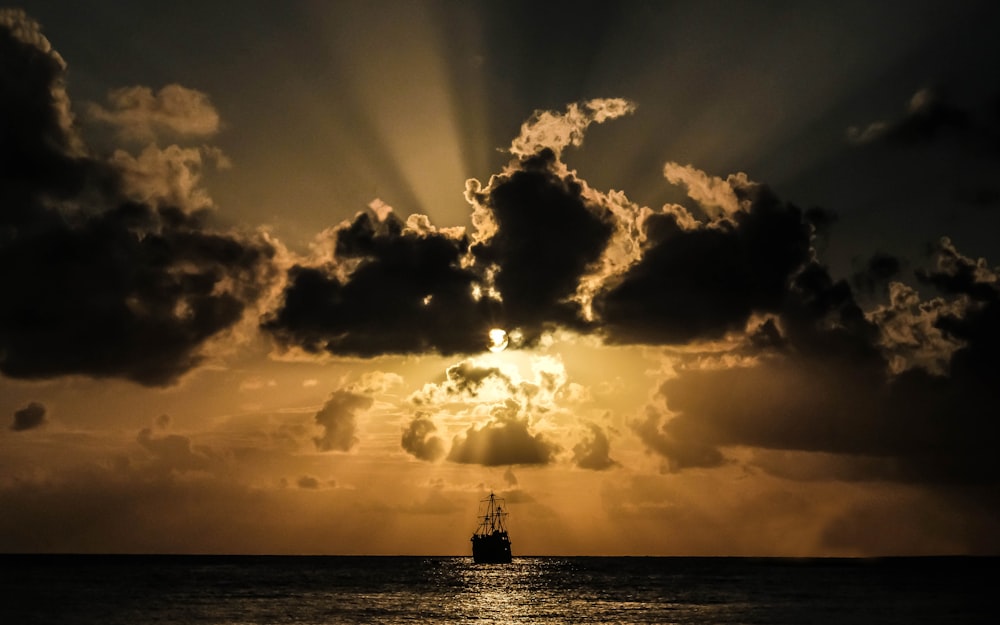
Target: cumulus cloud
point(391, 286)
point(555, 131)
point(466, 380)
point(713, 194)
point(173, 452)
point(98, 299)
point(141, 115)
point(680, 452)
point(338, 417)
point(167, 177)
point(593, 452)
point(40, 77)
point(475, 381)
point(100, 279)
point(110, 269)
point(910, 331)
point(28, 418)
point(511, 404)
point(406, 292)
point(700, 280)
point(538, 218)
point(505, 439)
point(830, 385)
point(959, 274)
point(469, 377)
point(634, 274)
point(420, 441)
point(373, 382)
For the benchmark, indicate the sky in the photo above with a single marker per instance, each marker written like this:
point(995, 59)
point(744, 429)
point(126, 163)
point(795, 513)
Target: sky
point(672, 278)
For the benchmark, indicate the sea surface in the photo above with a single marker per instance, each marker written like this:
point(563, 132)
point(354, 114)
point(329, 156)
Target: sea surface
point(134, 590)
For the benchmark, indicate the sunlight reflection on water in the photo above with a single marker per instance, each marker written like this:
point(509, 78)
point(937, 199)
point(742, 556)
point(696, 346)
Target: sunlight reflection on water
point(535, 590)
point(134, 590)
point(499, 593)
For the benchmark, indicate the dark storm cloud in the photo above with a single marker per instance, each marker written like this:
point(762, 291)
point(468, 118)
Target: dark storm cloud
point(413, 290)
point(830, 388)
point(876, 273)
point(700, 282)
point(127, 293)
point(40, 156)
point(975, 366)
point(547, 235)
point(506, 439)
point(956, 274)
point(339, 419)
point(418, 439)
point(96, 282)
point(92, 283)
point(968, 132)
point(408, 294)
point(29, 417)
point(928, 117)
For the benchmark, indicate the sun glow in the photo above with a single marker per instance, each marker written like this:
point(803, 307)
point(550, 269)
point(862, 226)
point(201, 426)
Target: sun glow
point(498, 340)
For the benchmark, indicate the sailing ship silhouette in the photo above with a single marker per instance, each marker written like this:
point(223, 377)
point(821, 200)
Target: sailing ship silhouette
point(490, 542)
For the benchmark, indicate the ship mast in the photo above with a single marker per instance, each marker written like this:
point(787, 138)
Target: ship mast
point(493, 519)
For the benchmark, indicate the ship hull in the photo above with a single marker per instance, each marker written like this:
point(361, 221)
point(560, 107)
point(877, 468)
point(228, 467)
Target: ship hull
point(491, 549)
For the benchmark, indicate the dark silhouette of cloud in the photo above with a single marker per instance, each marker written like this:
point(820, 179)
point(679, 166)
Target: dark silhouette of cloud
point(395, 288)
point(821, 374)
point(94, 283)
point(414, 290)
point(338, 417)
point(928, 116)
point(956, 274)
point(547, 235)
point(466, 380)
point(173, 452)
point(408, 294)
point(506, 439)
point(104, 277)
point(593, 452)
point(28, 418)
point(121, 294)
point(831, 389)
point(307, 482)
point(700, 281)
point(669, 440)
point(969, 132)
point(509, 477)
point(419, 440)
point(876, 273)
point(468, 377)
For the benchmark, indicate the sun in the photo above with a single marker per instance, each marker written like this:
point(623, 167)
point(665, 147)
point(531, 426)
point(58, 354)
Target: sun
point(498, 340)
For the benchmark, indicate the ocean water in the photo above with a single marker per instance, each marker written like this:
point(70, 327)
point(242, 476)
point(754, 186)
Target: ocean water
point(134, 590)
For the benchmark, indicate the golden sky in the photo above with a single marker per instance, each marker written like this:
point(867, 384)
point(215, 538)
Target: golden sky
point(669, 285)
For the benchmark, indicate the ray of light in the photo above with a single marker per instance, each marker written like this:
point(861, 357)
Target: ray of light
point(725, 116)
point(395, 72)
